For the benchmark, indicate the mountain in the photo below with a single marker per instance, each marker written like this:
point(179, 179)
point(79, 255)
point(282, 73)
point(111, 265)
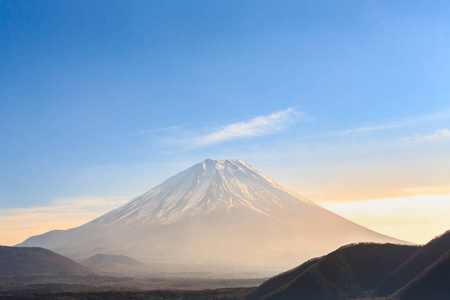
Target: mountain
point(99, 259)
point(432, 283)
point(33, 261)
point(367, 271)
point(116, 265)
point(218, 212)
point(279, 281)
point(424, 257)
point(352, 271)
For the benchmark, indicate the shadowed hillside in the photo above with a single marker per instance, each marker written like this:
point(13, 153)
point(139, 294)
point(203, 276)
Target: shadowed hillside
point(25, 261)
point(280, 280)
point(433, 283)
point(351, 271)
point(366, 271)
point(418, 262)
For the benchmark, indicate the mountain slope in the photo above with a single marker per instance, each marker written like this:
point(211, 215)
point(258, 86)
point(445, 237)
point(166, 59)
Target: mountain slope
point(281, 280)
point(349, 272)
point(26, 261)
point(117, 265)
point(417, 263)
point(432, 283)
point(98, 259)
point(216, 212)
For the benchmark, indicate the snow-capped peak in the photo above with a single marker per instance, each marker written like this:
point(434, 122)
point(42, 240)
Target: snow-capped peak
point(209, 186)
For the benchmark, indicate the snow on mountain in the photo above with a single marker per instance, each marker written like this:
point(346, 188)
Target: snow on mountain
point(212, 185)
point(218, 212)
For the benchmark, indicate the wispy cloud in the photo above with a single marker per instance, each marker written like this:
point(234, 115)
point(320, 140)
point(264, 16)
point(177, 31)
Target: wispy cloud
point(17, 224)
point(262, 125)
point(258, 126)
point(172, 128)
point(427, 190)
point(395, 124)
point(364, 129)
point(437, 136)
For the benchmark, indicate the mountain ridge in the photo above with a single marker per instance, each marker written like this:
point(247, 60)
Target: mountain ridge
point(36, 261)
point(361, 271)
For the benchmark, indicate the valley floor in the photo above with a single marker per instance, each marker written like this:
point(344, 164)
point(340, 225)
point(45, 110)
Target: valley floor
point(223, 294)
point(103, 287)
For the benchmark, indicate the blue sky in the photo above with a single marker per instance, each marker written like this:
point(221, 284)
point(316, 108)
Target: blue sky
point(340, 101)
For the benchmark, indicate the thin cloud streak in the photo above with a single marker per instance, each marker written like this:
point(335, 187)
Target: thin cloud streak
point(69, 204)
point(428, 190)
point(408, 122)
point(437, 136)
point(262, 125)
point(17, 224)
point(173, 128)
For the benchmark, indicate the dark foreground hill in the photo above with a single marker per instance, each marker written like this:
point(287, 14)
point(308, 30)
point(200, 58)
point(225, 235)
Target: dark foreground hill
point(351, 271)
point(366, 271)
point(34, 261)
point(424, 257)
point(433, 283)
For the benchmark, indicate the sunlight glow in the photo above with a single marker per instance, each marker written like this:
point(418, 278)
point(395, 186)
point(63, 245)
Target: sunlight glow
point(415, 219)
